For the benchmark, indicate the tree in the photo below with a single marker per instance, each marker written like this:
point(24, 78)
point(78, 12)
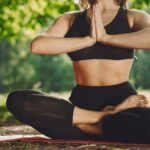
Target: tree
point(20, 21)
point(140, 4)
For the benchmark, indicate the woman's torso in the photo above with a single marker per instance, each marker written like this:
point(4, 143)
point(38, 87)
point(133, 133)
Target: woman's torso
point(101, 72)
point(97, 72)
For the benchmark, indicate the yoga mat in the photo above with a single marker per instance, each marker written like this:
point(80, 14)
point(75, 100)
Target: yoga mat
point(39, 138)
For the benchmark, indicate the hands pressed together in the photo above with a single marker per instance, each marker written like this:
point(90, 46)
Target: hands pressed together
point(98, 32)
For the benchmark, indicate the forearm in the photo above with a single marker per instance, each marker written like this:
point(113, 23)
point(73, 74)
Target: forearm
point(137, 40)
point(44, 44)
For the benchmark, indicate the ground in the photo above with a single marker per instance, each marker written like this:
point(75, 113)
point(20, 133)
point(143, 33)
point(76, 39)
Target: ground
point(26, 130)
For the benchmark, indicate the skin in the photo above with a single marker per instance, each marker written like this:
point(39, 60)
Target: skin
point(96, 72)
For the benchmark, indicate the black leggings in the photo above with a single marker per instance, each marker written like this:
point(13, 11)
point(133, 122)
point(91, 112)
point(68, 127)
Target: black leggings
point(52, 116)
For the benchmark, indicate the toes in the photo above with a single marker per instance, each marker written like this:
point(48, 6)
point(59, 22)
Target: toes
point(144, 97)
point(143, 103)
point(146, 101)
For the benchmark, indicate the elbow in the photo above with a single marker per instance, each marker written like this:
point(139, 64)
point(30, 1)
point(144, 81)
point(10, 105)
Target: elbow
point(40, 46)
point(34, 47)
point(146, 46)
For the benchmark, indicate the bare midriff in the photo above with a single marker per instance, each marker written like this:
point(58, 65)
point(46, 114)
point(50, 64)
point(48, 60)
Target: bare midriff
point(101, 72)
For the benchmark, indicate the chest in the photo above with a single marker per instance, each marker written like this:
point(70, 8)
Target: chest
point(81, 28)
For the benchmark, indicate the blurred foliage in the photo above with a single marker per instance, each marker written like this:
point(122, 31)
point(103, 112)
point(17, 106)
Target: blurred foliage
point(140, 4)
point(23, 18)
point(141, 70)
point(20, 21)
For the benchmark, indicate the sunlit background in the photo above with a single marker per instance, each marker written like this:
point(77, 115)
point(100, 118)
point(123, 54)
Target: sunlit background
point(21, 21)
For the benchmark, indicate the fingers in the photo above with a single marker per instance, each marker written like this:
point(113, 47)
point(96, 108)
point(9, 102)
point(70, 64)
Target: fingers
point(93, 24)
point(99, 27)
point(98, 6)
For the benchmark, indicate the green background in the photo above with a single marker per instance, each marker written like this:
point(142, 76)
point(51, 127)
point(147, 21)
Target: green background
point(20, 22)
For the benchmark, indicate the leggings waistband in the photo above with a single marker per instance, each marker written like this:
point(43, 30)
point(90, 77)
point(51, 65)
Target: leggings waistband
point(122, 84)
point(94, 96)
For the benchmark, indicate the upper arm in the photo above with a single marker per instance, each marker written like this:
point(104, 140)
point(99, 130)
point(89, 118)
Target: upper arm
point(141, 19)
point(61, 25)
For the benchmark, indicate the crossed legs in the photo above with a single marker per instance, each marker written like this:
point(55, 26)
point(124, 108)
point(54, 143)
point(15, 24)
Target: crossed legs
point(132, 101)
point(59, 119)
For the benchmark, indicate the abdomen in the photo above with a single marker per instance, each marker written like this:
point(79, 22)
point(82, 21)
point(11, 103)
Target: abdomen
point(96, 72)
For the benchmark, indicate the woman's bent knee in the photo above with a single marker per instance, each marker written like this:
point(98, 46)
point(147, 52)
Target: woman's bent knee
point(12, 100)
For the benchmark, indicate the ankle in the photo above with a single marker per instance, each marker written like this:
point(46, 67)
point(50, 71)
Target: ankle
point(103, 114)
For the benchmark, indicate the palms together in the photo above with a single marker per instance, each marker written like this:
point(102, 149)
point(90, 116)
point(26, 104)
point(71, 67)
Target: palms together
point(97, 28)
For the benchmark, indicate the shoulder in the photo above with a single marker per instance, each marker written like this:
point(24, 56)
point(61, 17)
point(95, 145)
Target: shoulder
point(63, 22)
point(70, 15)
point(137, 14)
point(140, 19)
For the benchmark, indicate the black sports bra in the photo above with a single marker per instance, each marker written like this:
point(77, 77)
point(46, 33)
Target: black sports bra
point(81, 28)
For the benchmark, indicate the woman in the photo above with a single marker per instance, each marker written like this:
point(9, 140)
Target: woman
point(100, 40)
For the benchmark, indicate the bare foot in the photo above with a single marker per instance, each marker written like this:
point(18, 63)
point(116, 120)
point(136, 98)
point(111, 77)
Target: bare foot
point(131, 102)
